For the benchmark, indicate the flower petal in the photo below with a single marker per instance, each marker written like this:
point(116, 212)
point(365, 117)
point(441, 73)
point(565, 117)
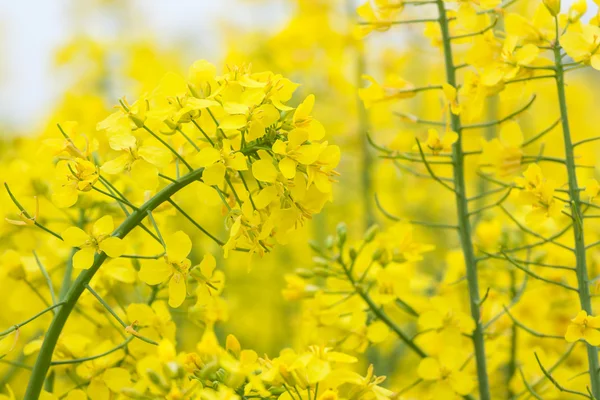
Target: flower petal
point(155, 272)
point(84, 258)
point(112, 246)
point(104, 226)
point(74, 236)
point(177, 291)
point(179, 246)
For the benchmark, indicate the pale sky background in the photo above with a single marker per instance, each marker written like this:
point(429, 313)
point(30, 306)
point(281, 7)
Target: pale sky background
point(31, 30)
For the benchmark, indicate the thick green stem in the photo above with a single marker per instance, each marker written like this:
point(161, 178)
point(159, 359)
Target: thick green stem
point(464, 225)
point(44, 358)
point(580, 250)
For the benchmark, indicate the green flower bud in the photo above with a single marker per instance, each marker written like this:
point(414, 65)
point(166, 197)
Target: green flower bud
point(371, 233)
point(304, 273)
point(342, 234)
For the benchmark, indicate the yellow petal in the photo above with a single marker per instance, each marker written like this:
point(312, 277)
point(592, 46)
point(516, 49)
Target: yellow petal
point(122, 141)
point(179, 246)
point(429, 369)
point(144, 174)
point(592, 336)
point(595, 61)
point(140, 312)
point(155, 272)
point(117, 379)
point(208, 265)
point(287, 166)
point(573, 333)
point(117, 165)
point(265, 197)
point(256, 130)
point(76, 394)
point(84, 258)
point(103, 226)
point(177, 291)
point(74, 236)
point(296, 137)
point(308, 154)
point(214, 174)
point(304, 109)
point(120, 270)
point(198, 104)
point(238, 162)
point(264, 171)
point(157, 156)
point(201, 71)
point(377, 332)
point(112, 246)
point(65, 197)
point(97, 390)
point(233, 122)
point(316, 130)
point(511, 134)
point(207, 156)
point(207, 194)
point(336, 356)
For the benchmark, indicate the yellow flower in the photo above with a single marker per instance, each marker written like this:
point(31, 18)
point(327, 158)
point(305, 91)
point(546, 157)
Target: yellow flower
point(74, 176)
point(143, 162)
point(451, 96)
point(585, 327)
point(446, 374)
point(174, 266)
point(538, 192)
point(438, 146)
point(295, 151)
point(217, 161)
point(303, 120)
point(583, 45)
point(504, 154)
point(98, 241)
point(205, 273)
point(393, 88)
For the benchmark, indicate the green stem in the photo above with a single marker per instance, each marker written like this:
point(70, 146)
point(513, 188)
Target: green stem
point(580, 250)
point(464, 225)
point(36, 316)
point(44, 358)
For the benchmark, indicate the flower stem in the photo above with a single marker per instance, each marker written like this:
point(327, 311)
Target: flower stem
point(44, 359)
point(464, 225)
point(580, 249)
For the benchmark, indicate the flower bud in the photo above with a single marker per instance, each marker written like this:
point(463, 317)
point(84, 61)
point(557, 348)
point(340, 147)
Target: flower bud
point(553, 6)
point(342, 234)
point(353, 254)
point(577, 10)
point(377, 254)
point(371, 233)
point(304, 273)
point(329, 242)
point(320, 261)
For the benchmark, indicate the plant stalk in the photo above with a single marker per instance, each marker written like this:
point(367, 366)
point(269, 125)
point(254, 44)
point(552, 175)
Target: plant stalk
point(44, 359)
point(464, 225)
point(578, 231)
